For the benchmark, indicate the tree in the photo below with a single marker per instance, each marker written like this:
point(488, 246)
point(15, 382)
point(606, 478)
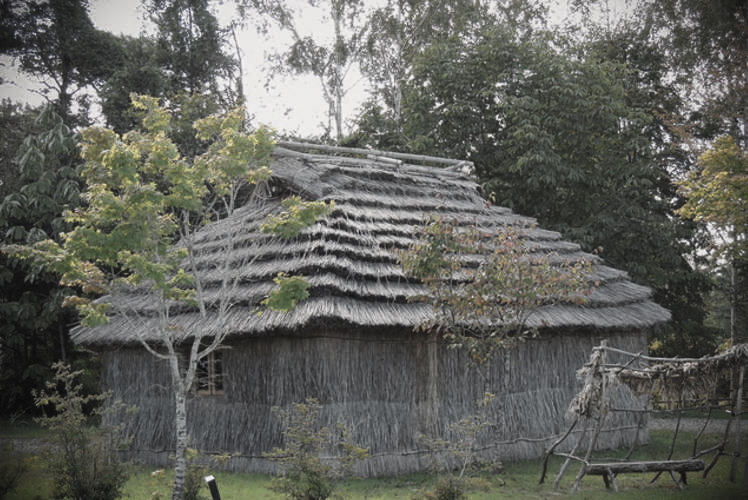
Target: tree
point(190, 49)
point(16, 122)
point(33, 324)
point(329, 60)
point(399, 31)
point(141, 196)
point(709, 48)
point(483, 288)
point(139, 73)
point(484, 285)
point(81, 457)
point(401, 34)
point(56, 42)
point(563, 135)
point(186, 65)
point(677, 273)
point(717, 195)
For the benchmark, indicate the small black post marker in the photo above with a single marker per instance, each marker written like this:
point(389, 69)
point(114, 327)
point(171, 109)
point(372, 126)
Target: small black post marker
point(213, 487)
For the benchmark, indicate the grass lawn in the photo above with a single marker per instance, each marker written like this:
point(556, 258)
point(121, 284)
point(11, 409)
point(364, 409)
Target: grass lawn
point(25, 429)
point(516, 481)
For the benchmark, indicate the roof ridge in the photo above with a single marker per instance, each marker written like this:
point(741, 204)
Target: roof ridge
point(392, 157)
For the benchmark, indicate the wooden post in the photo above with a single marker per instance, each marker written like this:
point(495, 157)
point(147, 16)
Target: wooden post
point(562, 470)
point(432, 387)
point(550, 450)
point(211, 482)
point(599, 372)
point(738, 409)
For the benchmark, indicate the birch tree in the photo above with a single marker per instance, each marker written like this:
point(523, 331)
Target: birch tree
point(329, 60)
point(399, 31)
point(141, 198)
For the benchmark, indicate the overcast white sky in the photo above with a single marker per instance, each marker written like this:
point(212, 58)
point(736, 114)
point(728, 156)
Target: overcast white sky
point(288, 104)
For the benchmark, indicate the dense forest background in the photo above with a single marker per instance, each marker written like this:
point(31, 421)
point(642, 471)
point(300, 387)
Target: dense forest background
point(622, 125)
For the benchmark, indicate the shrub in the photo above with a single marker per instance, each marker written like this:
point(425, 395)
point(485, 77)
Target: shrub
point(460, 450)
point(81, 456)
point(10, 472)
point(193, 481)
point(447, 488)
point(198, 466)
point(306, 476)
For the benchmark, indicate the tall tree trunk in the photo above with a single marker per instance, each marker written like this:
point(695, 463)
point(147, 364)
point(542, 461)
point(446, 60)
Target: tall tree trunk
point(64, 99)
point(338, 90)
point(338, 117)
point(733, 302)
point(180, 423)
point(61, 336)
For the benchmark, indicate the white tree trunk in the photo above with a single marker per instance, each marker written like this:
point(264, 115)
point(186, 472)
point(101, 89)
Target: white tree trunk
point(338, 91)
point(733, 302)
point(180, 423)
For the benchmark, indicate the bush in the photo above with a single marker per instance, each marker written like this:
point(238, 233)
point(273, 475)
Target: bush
point(198, 466)
point(81, 456)
point(305, 475)
point(447, 488)
point(193, 481)
point(10, 472)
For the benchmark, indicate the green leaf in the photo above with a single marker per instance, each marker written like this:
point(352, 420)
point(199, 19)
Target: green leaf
point(290, 290)
point(297, 215)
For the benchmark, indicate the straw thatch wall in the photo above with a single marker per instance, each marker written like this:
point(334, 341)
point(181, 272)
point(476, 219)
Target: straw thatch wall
point(387, 388)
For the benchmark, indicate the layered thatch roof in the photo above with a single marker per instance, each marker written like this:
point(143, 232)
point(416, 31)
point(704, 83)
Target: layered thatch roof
point(349, 257)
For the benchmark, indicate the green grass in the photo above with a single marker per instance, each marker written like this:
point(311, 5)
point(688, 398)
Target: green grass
point(717, 414)
point(516, 481)
point(26, 429)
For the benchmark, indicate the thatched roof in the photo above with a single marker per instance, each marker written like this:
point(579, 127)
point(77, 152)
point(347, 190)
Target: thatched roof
point(349, 256)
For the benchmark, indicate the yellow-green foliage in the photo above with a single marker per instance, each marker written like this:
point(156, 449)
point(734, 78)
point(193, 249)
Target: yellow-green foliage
point(306, 475)
point(717, 193)
point(142, 195)
point(483, 286)
point(81, 457)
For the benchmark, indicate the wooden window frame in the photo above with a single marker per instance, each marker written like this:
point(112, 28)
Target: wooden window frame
point(210, 375)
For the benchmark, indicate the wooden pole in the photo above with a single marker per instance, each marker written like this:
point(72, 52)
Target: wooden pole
point(738, 408)
point(675, 438)
point(364, 152)
point(599, 372)
point(213, 487)
point(553, 448)
point(562, 470)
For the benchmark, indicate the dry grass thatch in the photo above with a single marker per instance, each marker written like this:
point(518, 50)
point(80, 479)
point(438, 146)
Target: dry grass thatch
point(349, 256)
point(674, 379)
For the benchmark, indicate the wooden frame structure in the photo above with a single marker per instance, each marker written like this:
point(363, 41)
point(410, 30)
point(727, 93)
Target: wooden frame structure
point(678, 385)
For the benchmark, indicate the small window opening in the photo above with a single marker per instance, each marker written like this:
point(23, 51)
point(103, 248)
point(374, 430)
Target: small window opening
point(209, 374)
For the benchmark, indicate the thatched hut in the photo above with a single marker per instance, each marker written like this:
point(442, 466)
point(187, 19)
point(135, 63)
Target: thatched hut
point(352, 343)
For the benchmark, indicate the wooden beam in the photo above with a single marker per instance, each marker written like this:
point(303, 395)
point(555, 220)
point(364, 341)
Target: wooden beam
point(609, 470)
point(375, 152)
point(665, 465)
